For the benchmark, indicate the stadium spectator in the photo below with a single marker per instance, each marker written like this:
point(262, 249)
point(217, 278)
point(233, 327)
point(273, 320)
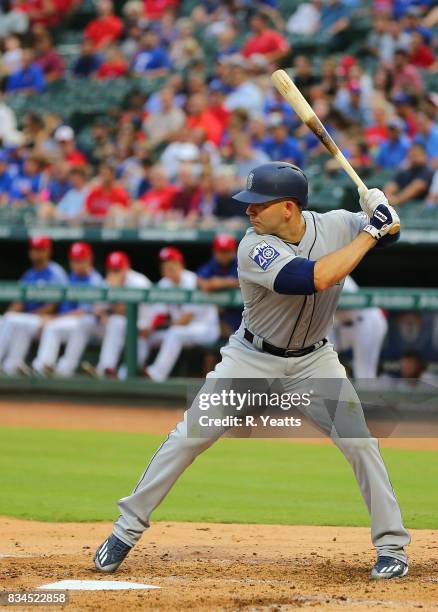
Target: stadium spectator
point(27, 80)
point(427, 135)
point(304, 79)
point(56, 182)
point(160, 195)
point(407, 78)
point(27, 184)
point(305, 20)
point(216, 104)
point(184, 48)
point(107, 194)
point(182, 149)
point(246, 157)
point(48, 59)
point(113, 65)
point(189, 324)
point(23, 321)
point(377, 132)
point(412, 183)
point(155, 9)
point(72, 205)
point(151, 58)
point(421, 55)
point(47, 13)
point(403, 108)
point(73, 323)
point(12, 58)
point(5, 178)
point(354, 106)
point(200, 116)
point(8, 122)
point(65, 139)
point(106, 28)
point(12, 20)
point(112, 317)
point(264, 41)
point(188, 195)
point(392, 152)
point(88, 61)
point(279, 145)
point(334, 21)
point(245, 94)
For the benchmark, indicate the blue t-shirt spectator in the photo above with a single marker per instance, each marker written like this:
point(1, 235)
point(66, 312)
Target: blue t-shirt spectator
point(288, 149)
point(93, 279)
point(331, 13)
point(392, 153)
point(429, 142)
point(52, 274)
point(28, 78)
point(150, 59)
point(22, 185)
point(72, 203)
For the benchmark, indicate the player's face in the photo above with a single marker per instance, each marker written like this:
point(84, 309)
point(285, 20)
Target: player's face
point(39, 257)
point(224, 258)
point(266, 218)
point(80, 267)
point(171, 270)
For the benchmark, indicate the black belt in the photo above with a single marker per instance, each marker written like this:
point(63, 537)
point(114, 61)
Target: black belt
point(267, 347)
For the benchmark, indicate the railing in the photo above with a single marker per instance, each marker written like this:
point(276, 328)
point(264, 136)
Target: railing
point(389, 299)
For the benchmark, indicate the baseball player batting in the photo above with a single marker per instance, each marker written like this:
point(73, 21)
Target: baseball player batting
point(292, 264)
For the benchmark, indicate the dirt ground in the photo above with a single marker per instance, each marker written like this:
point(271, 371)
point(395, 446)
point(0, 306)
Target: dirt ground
point(208, 566)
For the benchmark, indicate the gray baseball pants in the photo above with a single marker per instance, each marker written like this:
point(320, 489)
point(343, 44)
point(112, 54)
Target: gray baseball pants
point(178, 451)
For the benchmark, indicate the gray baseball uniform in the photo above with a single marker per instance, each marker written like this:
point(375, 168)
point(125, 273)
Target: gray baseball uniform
point(294, 322)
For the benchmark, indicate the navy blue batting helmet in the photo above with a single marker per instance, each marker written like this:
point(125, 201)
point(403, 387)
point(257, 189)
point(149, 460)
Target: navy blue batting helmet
point(274, 181)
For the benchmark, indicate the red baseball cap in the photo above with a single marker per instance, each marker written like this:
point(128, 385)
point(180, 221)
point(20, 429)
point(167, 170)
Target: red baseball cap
point(171, 254)
point(224, 242)
point(118, 260)
point(40, 242)
point(80, 251)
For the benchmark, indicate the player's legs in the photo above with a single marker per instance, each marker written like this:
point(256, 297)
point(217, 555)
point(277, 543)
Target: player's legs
point(348, 430)
point(25, 328)
point(53, 335)
point(174, 340)
point(113, 343)
point(369, 334)
point(77, 336)
point(178, 451)
point(6, 330)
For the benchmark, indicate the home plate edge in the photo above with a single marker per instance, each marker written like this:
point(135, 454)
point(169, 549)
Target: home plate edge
point(96, 585)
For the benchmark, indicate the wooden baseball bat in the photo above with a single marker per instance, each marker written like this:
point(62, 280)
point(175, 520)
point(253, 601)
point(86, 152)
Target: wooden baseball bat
point(305, 112)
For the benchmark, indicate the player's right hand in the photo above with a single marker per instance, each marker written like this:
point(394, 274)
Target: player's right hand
point(370, 199)
point(381, 222)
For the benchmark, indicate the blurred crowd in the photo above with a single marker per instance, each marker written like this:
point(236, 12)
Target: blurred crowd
point(179, 153)
point(64, 330)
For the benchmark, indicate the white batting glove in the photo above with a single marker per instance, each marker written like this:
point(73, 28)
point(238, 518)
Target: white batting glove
point(383, 219)
point(370, 199)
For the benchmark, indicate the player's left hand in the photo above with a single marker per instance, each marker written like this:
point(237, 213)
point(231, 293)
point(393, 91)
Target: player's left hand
point(383, 219)
point(370, 199)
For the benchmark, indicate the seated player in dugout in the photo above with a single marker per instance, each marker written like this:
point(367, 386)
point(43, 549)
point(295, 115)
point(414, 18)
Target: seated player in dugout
point(292, 265)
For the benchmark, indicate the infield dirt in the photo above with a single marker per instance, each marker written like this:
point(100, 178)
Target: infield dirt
point(208, 566)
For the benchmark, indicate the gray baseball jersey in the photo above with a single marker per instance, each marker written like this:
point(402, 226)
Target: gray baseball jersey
point(292, 321)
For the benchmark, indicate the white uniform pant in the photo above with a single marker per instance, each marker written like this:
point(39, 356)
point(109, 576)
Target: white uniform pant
point(172, 341)
point(239, 359)
point(113, 343)
point(17, 330)
point(74, 332)
point(365, 337)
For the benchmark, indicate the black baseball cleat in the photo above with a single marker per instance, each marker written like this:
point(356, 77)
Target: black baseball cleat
point(110, 554)
point(388, 567)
